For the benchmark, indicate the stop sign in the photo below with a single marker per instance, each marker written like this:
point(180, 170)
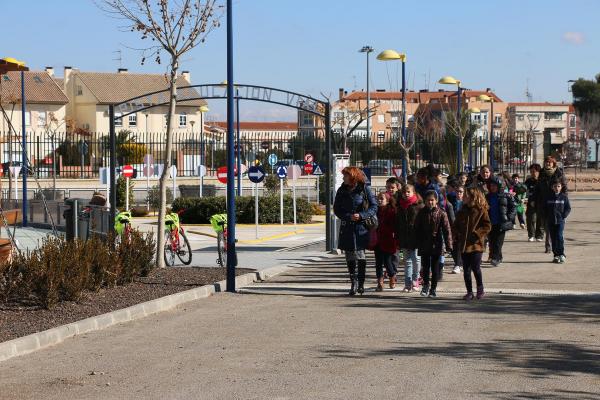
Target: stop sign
point(127, 171)
point(222, 174)
point(308, 168)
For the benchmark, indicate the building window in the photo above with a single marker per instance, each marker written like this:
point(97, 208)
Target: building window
point(79, 90)
point(533, 117)
point(307, 120)
point(381, 118)
point(573, 135)
point(572, 120)
point(27, 118)
point(118, 119)
point(182, 119)
point(553, 116)
point(497, 118)
point(338, 116)
point(133, 120)
point(41, 118)
point(520, 117)
point(380, 134)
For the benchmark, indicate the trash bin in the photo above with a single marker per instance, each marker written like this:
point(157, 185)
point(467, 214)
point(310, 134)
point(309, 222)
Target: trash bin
point(70, 215)
point(83, 224)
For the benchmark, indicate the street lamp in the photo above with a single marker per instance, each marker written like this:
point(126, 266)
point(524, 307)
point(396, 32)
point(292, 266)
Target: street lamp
point(449, 80)
point(237, 151)
point(368, 49)
point(490, 99)
point(389, 55)
point(203, 109)
point(473, 110)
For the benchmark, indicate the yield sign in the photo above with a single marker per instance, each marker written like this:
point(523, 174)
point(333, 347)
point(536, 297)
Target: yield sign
point(222, 174)
point(317, 170)
point(397, 172)
point(256, 174)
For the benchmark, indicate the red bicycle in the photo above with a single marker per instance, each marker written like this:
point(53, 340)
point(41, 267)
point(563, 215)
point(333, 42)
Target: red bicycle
point(176, 243)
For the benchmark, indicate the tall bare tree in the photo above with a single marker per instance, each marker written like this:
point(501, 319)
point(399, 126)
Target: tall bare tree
point(174, 27)
point(590, 123)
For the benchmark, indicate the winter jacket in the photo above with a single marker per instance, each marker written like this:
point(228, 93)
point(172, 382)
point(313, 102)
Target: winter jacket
point(353, 235)
point(531, 184)
point(432, 231)
point(405, 225)
point(506, 208)
point(558, 208)
point(480, 183)
point(544, 187)
point(386, 235)
point(450, 212)
point(470, 229)
point(430, 186)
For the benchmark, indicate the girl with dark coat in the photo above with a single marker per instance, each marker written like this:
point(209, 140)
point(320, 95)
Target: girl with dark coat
point(409, 205)
point(550, 173)
point(469, 231)
point(482, 179)
point(386, 249)
point(535, 227)
point(432, 231)
point(502, 211)
point(354, 203)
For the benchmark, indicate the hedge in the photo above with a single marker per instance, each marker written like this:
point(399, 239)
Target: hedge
point(198, 210)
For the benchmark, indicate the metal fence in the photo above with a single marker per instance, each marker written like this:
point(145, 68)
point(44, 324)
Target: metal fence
point(71, 155)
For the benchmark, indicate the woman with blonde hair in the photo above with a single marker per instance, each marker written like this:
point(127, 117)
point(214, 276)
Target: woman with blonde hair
point(354, 204)
point(469, 231)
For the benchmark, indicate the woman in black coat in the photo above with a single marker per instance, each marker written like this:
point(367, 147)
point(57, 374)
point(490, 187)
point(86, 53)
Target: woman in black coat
point(354, 203)
point(549, 173)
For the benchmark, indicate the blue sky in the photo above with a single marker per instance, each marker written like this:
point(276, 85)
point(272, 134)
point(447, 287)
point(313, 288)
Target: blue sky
point(311, 46)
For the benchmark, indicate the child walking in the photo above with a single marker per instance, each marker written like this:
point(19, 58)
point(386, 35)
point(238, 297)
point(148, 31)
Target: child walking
point(432, 231)
point(385, 250)
point(557, 211)
point(501, 212)
point(469, 231)
point(409, 205)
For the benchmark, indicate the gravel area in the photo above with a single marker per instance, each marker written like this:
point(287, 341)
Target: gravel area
point(18, 320)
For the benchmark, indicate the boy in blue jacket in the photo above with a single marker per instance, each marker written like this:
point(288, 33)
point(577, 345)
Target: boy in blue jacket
point(557, 210)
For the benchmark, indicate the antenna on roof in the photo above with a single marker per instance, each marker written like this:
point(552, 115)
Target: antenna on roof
point(528, 94)
point(119, 58)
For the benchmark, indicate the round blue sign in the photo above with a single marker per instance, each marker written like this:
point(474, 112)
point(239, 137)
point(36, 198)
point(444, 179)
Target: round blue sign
point(281, 172)
point(256, 174)
point(273, 159)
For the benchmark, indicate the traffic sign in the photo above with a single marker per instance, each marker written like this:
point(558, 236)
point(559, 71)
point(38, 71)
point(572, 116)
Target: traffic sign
point(397, 172)
point(256, 174)
point(294, 172)
point(201, 170)
point(222, 174)
point(148, 170)
point(265, 145)
point(148, 159)
point(273, 159)
point(308, 168)
point(127, 171)
point(308, 158)
point(281, 172)
point(317, 170)
point(173, 171)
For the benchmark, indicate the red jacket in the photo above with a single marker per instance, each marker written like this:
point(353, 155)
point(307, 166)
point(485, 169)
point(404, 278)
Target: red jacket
point(386, 231)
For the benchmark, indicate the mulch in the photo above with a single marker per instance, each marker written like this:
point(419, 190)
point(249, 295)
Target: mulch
point(18, 320)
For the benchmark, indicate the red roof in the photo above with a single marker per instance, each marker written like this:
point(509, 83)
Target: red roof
point(261, 126)
point(543, 104)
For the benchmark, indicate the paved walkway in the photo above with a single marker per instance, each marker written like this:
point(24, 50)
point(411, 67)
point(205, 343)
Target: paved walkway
point(298, 336)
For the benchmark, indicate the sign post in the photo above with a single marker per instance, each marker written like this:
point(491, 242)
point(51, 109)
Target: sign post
point(256, 174)
point(201, 174)
point(174, 176)
point(127, 173)
point(14, 171)
point(295, 172)
point(272, 160)
point(281, 174)
point(148, 170)
point(308, 169)
point(318, 171)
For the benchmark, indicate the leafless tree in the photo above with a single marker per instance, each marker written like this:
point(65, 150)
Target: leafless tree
point(53, 125)
point(174, 27)
point(590, 123)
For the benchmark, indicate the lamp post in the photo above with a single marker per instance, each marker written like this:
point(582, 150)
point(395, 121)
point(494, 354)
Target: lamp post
point(449, 80)
point(389, 55)
point(490, 99)
point(203, 109)
point(471, 111)
point(368, 50)
point(237, 138)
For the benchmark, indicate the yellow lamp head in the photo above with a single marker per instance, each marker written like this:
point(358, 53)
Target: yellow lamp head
point(204, 109)
point(485, 97)
point(390, 55)
point(449, 80)
point(474, 110)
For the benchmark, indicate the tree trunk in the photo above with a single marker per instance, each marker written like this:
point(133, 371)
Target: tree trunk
point(162, 210)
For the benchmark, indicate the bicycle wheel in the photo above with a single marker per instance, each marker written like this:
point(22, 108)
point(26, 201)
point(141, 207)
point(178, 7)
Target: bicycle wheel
point(222, 260)
point(184, 252)
point(169, 252)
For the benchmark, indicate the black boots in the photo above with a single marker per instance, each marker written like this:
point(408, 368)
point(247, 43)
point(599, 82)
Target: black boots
point(353, 278)
point(362, 269)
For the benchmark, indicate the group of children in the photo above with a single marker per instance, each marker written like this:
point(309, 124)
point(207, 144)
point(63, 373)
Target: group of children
point(423, 220)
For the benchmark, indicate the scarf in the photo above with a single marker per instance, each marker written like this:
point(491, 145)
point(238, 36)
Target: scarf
point(404, 204)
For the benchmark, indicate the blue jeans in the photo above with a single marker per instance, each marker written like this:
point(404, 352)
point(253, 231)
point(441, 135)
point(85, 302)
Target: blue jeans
point(412, 266)
point(556, 236)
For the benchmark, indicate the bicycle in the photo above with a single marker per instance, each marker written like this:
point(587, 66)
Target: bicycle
point(123, 226)
point(219, 225)
point(176, 243)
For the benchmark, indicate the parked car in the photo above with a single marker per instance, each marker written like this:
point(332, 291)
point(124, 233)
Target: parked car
point(380, 167)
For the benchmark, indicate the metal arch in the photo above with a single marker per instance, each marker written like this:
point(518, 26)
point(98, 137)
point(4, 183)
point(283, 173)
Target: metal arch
point(207, 92)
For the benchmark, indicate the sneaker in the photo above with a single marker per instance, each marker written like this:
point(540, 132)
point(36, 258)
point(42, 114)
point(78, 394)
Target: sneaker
point(556, 259)
point(548, 250)
point(562, 259)
point(425, 290)
point(495, 263)
point(539, 239)
point(532, 239)
point(468, 297)
point(415, 285)
point(407, 289)
point(432, 294)
point(523, 226)
point(480, 294)
point(456, 270)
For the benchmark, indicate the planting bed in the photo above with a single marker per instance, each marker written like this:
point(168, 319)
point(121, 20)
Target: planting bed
point(20, 319)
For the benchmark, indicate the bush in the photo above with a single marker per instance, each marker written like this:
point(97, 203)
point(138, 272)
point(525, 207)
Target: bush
point(154, 196)
point(132, 153)
point(121, 187)
point(199, 210)
point(62, 270)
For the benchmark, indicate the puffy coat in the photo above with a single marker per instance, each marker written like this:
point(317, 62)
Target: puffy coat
point(353, 235)
point(470, 229)
point(507, 210)
point(543, 188)
point(405, 225)
point(558, 208)
point(432, 230)
point(386, 235)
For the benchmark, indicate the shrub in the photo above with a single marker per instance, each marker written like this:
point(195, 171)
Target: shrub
point(132, 153)
point(154, 196)
point(121, 188)
point(199, 210)
point(62, 270)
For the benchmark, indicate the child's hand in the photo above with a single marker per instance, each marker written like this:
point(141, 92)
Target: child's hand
point(355, 217)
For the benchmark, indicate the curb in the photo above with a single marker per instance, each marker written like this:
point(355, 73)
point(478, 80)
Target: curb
point(41, 340)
